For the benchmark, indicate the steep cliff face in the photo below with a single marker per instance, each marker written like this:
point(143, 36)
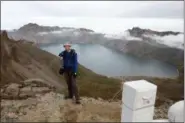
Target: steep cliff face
point(21, 60)
point(144, 49)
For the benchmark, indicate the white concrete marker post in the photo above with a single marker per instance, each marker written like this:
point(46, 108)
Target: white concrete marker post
point(138, 99)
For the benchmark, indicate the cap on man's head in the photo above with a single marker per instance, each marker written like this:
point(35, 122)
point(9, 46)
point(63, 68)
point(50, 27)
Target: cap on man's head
point(67, 44)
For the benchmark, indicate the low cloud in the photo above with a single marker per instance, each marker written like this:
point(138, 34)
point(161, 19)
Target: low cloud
point(176, 41)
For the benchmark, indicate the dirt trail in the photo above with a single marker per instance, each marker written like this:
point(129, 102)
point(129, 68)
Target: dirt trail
point(35, 100)
point(51, 107)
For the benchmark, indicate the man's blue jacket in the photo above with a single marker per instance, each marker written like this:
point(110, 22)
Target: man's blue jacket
point(69, 60)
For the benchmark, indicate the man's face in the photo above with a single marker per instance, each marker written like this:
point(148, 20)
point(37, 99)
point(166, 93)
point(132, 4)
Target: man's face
point(67, 47)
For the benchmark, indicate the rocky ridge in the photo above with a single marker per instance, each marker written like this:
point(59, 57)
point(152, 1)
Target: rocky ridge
point(28, 88)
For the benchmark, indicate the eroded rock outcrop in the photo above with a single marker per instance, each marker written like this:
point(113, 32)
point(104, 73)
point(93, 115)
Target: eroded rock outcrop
point(25, 89)
point(35, 102)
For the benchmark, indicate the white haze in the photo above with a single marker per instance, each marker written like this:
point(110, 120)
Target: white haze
point(170, 40)
point(125, 36)
point(63, 32)
point(54, 32)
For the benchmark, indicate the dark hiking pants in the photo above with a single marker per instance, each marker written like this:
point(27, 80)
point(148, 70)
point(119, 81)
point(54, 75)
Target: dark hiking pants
point(71, 83)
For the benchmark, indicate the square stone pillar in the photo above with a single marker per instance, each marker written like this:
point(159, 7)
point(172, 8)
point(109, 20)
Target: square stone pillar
point(138, 100)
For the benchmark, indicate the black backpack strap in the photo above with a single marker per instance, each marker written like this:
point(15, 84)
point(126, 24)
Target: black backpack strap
point(72, 52)
point(64, 53)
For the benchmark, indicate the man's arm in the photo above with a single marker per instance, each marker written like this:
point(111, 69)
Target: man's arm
point(75, 63)
point(61, 55)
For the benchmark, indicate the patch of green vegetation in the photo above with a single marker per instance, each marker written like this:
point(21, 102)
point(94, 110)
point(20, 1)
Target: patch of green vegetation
point(94, 85)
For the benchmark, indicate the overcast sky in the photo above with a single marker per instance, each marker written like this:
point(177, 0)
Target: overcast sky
point(16, 13)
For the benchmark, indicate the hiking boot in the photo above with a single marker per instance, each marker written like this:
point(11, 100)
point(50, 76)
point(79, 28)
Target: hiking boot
point(78, 102)
point(68, 97)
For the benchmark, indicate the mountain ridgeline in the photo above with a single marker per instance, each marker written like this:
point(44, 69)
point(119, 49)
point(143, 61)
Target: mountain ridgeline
point(138, 32)
point(141, 44)
point(35, 28)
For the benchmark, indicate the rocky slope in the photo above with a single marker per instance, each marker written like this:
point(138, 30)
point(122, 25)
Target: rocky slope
point(35, 101)
point(21, 60)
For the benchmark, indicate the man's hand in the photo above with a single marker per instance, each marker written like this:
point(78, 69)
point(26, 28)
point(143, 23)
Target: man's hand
point(61, 71)
point(60, 58)
point(75, 75)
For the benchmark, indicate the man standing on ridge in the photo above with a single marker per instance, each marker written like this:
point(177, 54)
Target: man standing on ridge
point(69, 69)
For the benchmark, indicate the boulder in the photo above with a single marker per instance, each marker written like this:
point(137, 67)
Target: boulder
point(26, 92)
point(40, 89)
point(2, 90)
point(29, 88)
point(37, 82)
point(161, 120)
point(25, 95)
point(12, 89)
point(176, 112)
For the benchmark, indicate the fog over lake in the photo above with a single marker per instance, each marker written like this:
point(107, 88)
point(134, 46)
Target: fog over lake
point(105, 61)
